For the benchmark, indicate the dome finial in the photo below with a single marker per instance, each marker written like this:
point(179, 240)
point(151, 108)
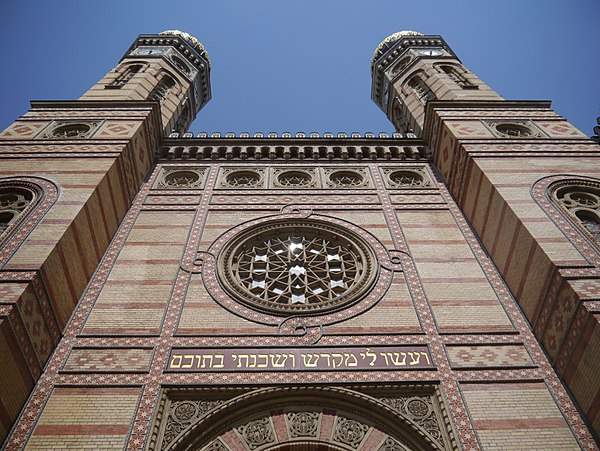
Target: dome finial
point(189, 38)
point(390, 40)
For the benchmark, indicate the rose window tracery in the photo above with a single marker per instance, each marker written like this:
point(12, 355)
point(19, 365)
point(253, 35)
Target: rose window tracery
point(346, 178)
point(243, 179)
point(583, 203)
point(294, 178)
point(181, 179)
point(406, 178)
point(301, 266)
point(514, 130)
point(71, 131)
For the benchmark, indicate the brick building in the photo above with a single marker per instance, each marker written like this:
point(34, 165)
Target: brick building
point(433, 289)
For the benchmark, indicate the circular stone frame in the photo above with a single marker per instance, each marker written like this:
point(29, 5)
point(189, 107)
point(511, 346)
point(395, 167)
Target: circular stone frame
point(240, 246)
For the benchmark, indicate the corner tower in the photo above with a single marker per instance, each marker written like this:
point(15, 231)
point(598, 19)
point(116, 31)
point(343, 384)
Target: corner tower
point(171, 67)
point(409, 69)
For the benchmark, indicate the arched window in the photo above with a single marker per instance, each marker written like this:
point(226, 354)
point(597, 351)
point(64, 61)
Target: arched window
point(23, 202)
point(125, 76)
point(581, 200)
point(13, 202)
point(423, 92)
point(458, 78)
point(160, 92)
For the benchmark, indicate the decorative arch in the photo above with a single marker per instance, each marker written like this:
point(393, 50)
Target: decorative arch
point(23, 202)
point(304, 418)
point(573, 203)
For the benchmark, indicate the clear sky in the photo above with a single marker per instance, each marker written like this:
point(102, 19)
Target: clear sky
point(293, 66)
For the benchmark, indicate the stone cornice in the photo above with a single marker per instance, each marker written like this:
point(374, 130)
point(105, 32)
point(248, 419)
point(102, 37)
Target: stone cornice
point(294, 149)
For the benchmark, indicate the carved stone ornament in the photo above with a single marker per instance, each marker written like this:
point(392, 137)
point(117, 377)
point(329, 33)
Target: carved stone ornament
point(294, 266)
point(410, 177)
point(406, 417)
point(419, 409)
point(181, 178)
point(302, 424)
point(349, 432)
point(294, 178)
point(70, 130)
point(242, 178)
point(217, 445)
point(257, 433)
point(181, 415)
point(514, 129)
point(347, 178)
point(392, 445)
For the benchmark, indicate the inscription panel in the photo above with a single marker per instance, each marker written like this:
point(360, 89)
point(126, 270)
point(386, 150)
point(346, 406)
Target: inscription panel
point(300, 359)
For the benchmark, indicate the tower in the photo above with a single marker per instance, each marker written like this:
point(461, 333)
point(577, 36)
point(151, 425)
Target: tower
point(171, 68)
point(292, 292)
point(70, 171)
point(409, 69)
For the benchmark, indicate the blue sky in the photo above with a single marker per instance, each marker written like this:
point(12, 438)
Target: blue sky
point(304, 66)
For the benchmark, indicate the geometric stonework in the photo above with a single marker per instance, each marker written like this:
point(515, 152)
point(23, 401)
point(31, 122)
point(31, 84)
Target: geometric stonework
point(411, 177)
point(514, 129)
point(180, 178)
point(294, 178)
point(477, 356)
point(292, 266)
point(69, 130)
point(242, 178)
point(302, 417)
point(257, 433)
point(347, 178)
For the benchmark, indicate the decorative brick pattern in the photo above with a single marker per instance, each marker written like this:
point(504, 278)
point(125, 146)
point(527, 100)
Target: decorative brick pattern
point(112, 359)
point(461, 356)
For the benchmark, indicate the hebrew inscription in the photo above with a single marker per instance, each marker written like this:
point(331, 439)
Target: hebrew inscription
point(300, 359)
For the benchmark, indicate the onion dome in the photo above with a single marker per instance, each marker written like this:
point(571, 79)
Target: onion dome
point(195, 43)
point(390, 41)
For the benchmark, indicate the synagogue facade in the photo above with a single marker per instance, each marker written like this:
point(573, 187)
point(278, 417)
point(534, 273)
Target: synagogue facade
point(432, 289)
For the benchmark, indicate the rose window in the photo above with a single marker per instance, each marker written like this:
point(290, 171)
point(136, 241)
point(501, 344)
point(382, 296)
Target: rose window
point(301, 266)
point(514, 130)
point(346, 178)
point(181, 179)
point(243, 179)
point(71, 131)
point(407, 178)
point(294, 178)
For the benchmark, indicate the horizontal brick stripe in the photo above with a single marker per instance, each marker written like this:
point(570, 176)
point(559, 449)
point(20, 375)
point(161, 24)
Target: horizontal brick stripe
point(67, 391)
point(81, 429)
point(454, 280)
point(463, 302)
point(511, 386)
point(530, 423)
point(138, 282)
point(131, 305)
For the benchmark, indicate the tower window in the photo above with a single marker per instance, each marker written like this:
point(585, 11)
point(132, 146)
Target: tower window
point(160, 92)
point(125, 76)
point(457, 77)
point(423, 92)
